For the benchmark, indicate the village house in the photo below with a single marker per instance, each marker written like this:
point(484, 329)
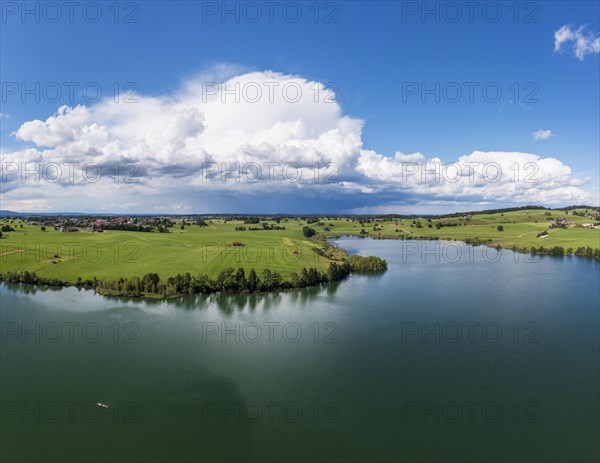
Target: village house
point(566, 222)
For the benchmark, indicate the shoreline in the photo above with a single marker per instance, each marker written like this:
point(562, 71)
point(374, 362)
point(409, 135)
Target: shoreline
point(338, 255)
point(542, 251)
point(341, 266)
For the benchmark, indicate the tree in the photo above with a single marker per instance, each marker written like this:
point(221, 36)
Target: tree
point(43, 228)
point(500, 228)
point(253, 281)
point(336, 272)
point(271, 280)
point(308, 232)
point(150, 282)
point(226, 280)
point(240, 279)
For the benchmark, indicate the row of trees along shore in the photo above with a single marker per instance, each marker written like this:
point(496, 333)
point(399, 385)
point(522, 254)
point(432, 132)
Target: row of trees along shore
point(229, 280)
point(581, 251)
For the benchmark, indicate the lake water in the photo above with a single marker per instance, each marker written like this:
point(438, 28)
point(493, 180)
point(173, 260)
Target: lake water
point(454, 354)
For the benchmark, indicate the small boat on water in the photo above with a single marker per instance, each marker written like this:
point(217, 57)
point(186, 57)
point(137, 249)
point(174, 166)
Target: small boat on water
point(102, 405)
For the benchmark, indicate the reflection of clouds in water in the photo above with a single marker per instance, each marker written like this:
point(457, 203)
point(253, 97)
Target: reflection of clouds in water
point(68, 299)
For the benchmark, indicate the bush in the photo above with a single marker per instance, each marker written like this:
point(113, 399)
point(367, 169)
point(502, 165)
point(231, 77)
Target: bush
point(308, 232)
point(367, 264)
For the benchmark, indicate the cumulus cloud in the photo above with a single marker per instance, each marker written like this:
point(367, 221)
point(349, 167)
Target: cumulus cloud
point(492, 176)
point(249, 142)
point(414, 157)
point(542, 135)
point(583, 43)
point(255, 116)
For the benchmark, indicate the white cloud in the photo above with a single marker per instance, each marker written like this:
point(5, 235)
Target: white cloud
point(4, 116)
point(165, 139)
point(583, 43)
point(542, 134)
point(511, 177)
point(196, 125)
point(414, 157)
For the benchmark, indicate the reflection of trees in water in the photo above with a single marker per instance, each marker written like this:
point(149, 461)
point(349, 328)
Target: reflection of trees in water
point(31, 289)
point(227, 304)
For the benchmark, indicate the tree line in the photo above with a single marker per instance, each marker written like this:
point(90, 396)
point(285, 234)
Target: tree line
point(229, 280)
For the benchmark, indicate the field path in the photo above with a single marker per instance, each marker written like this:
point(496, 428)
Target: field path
point(14, 251)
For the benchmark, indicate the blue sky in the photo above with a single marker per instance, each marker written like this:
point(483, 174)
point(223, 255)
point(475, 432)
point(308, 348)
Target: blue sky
point(373, 53)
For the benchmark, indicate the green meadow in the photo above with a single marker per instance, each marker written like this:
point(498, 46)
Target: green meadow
point(197, 250)
point(207, 250)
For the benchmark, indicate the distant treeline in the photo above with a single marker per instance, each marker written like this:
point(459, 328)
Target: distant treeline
point(264, 226)
point(256, 220)
point(551, 251)
point(492, 211)
point(229, 280)
point(125, 227)
point(596, 209)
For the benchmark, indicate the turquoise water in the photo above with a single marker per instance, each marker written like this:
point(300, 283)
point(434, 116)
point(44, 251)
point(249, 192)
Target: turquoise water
point(454, 354)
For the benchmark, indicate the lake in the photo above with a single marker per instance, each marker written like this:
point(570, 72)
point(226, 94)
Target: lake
point(455, 354)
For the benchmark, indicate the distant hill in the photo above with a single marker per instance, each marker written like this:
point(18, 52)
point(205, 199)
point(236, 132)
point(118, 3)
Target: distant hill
point(5, 213)
point(12, 214)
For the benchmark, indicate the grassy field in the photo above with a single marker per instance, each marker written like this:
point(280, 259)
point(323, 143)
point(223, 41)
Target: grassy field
point(114, 254)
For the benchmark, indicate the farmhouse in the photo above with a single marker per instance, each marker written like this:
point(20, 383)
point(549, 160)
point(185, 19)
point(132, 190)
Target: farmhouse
point(565, 222)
